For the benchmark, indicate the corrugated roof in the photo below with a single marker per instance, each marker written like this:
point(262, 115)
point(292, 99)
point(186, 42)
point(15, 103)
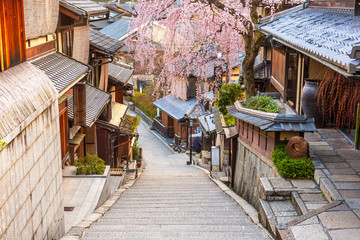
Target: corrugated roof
point(96, 101)
point(73, 8)
point(24, 89)
point(104, 43)
point(117, 29)
point(63, 71)
point(281, 122)
point(178, 109)
point(118, 112)
point(325, 34)
point(90, 7)
point(120, 74)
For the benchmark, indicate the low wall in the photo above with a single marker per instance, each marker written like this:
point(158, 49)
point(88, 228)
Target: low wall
point(250, 167)
point(83, 192)
point(144, 117)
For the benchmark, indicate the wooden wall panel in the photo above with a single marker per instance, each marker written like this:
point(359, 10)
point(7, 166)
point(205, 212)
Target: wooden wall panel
point(278, 75)
point(12, 34)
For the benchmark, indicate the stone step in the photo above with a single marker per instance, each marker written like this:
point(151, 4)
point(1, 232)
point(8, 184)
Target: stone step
point(230, 220)
point(174, 201)
point(248, 235)
point(246, 226)
point(175, 197)
point(174, 209)
point(213, 214)
point(183, 205)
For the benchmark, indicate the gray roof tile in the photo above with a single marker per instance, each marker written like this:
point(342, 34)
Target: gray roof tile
point(104, 43)
point(120, 74)
point(90, 7)
point(282, 122)
point(96, 101)
point(69, 6)
point(327, 34)
point(178, 109)
point(117, 29)
point(62, 70)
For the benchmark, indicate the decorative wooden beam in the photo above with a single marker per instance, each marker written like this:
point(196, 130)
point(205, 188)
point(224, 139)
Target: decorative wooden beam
point(80, 104)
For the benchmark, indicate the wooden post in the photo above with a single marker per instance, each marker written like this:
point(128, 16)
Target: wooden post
point(79, 104)
point(357, 131)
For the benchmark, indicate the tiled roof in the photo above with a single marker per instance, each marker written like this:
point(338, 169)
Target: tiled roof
point(69, 6)
point(90, 7)
point(120, 74)
point(24, 90)
point(117, 29)
point(101, 24)
point(282, 122)
point(280, 14)
point(104, 43)
point(325, 34)
point(178, 109)
point(63, 71)
point(96, 101)
point(208, 123)
point(128, 6)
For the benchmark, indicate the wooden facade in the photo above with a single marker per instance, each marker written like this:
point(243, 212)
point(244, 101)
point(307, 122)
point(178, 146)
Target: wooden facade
point(12, 34)
point(64, 128)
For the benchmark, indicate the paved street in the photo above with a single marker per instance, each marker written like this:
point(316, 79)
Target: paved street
point(173, 201)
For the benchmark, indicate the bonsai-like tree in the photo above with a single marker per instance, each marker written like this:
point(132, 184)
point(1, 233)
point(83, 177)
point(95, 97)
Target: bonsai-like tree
point(194, 33)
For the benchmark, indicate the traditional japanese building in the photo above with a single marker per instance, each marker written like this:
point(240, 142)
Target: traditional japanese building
point(311, 42)
point(30, 176)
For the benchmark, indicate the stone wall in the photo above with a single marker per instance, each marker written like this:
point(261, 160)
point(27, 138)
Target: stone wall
point(250, 167)
point(31, 180)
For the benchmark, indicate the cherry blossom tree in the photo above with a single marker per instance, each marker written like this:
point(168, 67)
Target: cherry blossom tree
point(198, 35)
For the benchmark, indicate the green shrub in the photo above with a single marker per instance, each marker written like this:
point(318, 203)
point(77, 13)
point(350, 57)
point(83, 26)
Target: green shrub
point(292, 168)
point(228, 94)
point(135, 124)
point(262, 103)
point(90, 165)
point(144, 101)
point(135, 150)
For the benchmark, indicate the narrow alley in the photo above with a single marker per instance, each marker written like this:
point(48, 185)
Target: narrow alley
point(173, 201)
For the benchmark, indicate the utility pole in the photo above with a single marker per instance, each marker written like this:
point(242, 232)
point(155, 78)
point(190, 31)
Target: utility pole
point(191, 125)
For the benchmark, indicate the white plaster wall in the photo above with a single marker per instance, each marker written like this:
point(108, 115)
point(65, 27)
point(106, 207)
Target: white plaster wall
point(31, 181)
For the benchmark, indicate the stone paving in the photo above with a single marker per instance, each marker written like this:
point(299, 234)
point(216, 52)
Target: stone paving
point(327, 207)
point(341, 164)
point(173, 201)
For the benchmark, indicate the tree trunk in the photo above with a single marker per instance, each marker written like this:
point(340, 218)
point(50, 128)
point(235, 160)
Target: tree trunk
point(252, 46)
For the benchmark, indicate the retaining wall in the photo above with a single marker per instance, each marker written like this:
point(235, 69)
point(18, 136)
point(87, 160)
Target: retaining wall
point(250, 167)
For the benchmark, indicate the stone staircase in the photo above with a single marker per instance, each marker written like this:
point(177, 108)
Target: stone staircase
point(181, 203)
